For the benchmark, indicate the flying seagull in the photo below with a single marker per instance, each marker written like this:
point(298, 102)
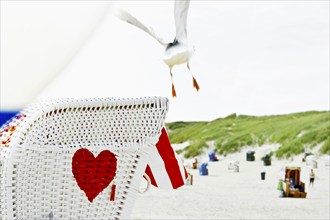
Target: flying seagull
point(177, 52)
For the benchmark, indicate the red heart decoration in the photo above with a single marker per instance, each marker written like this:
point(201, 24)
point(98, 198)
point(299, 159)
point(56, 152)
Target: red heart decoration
point(93, 174)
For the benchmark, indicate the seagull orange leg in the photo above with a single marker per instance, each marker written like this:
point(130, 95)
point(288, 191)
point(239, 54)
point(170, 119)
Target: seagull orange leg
point(173, 89)
point(195, 84)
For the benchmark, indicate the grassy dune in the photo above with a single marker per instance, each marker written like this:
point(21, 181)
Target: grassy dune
point(296, 133)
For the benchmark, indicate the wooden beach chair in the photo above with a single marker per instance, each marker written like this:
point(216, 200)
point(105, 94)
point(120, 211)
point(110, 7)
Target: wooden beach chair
point(77, 159)
point(293, 174)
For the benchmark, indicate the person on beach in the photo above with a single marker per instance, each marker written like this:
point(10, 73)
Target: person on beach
point(292, 183)
point(311, 178)
point(280, 188)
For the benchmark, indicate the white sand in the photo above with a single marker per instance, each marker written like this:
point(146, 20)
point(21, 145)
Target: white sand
point(224, 194)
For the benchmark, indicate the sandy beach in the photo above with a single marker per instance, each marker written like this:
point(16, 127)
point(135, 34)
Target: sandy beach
point(225, 194)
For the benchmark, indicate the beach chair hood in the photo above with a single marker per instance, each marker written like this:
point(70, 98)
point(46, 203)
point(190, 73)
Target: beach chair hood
point(77, 159)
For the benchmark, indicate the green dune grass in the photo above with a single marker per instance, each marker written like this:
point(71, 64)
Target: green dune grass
point(296, 133)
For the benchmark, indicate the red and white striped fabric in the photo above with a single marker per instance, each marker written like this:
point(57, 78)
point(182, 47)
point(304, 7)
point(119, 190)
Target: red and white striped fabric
point(165, 169)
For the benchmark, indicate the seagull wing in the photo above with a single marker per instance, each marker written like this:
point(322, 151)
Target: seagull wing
point(125, 16)
point(181, 8)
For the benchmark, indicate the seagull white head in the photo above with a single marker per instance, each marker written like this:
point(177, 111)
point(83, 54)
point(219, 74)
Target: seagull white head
point(177, 52)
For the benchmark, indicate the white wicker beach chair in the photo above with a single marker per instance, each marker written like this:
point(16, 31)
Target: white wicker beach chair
point(311, 161)
point(77, 159)
point(233, 165)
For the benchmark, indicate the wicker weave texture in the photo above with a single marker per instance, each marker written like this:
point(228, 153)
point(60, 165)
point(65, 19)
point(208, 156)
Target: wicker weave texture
point(36, 166)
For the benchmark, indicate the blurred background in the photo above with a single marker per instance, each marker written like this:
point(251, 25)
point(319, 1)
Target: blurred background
point(252, 57)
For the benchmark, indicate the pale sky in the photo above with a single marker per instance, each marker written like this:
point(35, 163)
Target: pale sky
point(252, 57)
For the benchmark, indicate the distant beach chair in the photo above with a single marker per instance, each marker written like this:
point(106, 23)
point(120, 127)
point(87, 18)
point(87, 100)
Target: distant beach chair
point(306, 155)
point(212, 156)
point(195, 164)
point(267, 160)
point(250, 156)
point(77, 159)
point(233, 165)
point(203, 170)
point(294, 187)
point(311, 161)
